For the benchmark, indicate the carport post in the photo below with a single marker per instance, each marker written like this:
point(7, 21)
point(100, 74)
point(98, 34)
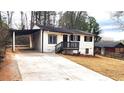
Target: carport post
point(13, 41)
point(30, 41)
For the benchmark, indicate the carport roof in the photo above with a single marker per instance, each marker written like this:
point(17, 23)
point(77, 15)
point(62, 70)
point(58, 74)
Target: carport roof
point(24, 32)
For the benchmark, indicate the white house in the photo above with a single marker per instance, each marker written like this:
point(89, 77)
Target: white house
point(62, 40)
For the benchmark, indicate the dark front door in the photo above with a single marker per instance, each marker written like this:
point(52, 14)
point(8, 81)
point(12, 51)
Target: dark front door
point(65, 40)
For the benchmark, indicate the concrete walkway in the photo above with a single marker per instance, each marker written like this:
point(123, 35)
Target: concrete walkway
point(49, 67)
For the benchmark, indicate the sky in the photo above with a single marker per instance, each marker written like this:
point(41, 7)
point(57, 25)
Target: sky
point(110, 29)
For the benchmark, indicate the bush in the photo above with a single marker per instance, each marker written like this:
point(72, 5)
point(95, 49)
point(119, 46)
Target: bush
point(4, 39)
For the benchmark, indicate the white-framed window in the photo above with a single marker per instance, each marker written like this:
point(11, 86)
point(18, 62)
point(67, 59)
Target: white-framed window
point(87, 51)
point(88, 38)
point(74, 37)
point(52, 39)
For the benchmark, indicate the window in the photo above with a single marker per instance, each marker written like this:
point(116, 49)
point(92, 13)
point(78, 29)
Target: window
point(52, 39)
point(88, 38)
point(74, 38)
point(87, 51)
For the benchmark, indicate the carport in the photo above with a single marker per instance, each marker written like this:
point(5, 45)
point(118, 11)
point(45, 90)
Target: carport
point(15, 33)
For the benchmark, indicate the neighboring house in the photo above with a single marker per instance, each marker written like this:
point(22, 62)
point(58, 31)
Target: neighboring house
point(104, 47)
point(70, 41)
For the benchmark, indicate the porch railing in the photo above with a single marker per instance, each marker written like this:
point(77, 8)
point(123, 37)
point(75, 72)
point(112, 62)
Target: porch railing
point(66, 46)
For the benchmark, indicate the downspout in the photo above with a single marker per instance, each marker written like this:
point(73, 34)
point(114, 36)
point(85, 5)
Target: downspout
point(30, 41)
point(13, 41)
point(94, 46)
point(42, 40)
point(43, 30)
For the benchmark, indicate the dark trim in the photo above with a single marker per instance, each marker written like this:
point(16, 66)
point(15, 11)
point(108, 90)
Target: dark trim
point(24, 32)
point(64, 30)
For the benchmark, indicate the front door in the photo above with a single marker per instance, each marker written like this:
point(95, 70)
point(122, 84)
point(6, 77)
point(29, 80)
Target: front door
point(65, 40)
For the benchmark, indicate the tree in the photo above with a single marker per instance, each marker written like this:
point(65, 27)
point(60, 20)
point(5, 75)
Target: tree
point(4, 30)
point(80, 20)
point(43, 17)
point(9, 18)
point(118, 17)
point(4, 37)
point(24, 20)
point(74, 20)
point(93, 27)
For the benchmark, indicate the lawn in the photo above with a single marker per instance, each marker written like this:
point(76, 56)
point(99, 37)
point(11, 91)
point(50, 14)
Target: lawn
point(109, 67)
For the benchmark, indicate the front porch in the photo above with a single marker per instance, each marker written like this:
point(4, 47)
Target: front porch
point(66, 46)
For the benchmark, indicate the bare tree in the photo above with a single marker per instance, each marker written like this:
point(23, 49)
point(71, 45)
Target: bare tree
point(26, 21)
point(22, 20)
point(9, 17)
point(44, 17)
point(118, 17)
point(0, 19)
point(32, 19)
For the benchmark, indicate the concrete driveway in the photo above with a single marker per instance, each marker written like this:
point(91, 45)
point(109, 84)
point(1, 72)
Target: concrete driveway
point(51, 67)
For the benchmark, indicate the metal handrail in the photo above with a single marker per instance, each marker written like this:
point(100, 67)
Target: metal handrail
point(66, 45)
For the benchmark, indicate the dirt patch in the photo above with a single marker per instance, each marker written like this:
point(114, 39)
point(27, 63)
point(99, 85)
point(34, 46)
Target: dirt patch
point(109, 67)
point(9, 69)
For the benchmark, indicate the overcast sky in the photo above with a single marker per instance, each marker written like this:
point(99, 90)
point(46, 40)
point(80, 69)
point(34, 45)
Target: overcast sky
point(110, 29)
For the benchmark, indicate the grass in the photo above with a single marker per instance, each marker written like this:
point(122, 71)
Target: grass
point(109, 67)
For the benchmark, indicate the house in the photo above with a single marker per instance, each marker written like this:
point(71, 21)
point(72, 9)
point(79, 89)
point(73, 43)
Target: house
point(55, 39)
point(59, 40)
point(104, 47)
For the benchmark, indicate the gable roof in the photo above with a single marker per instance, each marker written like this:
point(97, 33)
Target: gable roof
point(108, 44)
point(63, 30)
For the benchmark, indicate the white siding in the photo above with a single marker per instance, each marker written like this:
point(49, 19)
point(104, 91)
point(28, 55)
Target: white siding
point(84, 45)
point(51, 47)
